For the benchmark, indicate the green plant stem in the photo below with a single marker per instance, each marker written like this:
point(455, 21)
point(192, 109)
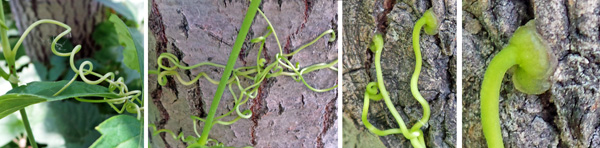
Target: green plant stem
point(415, 77)
point(376, 90)
point(10, 59)
point(386, 97)
point(250, 13)
point(490, 116)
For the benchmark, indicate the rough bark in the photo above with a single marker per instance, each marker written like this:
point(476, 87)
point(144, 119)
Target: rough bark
point(81, 15)
point(286, 113)
point(567, 115)
point(395, 19)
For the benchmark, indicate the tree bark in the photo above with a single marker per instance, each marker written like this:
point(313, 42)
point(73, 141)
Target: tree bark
point(567, 115)
point(285, 113)
point(81, 15)
point(395, 20)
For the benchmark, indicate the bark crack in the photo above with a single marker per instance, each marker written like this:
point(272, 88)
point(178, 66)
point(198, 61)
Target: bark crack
point(328, 120)
point(259, 107)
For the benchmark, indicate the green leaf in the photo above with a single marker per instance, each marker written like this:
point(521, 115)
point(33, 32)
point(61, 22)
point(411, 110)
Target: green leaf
point(126, 8)
point(130, 52)
point(10, 103)
point(138, 40)
point(58, 66)
point(37, 92)
point(67, 123)
point(121, 131)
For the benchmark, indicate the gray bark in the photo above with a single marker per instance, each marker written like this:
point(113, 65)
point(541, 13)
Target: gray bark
point(567, 115)
point(286, 113)
point(81, 15)
point(436, 82)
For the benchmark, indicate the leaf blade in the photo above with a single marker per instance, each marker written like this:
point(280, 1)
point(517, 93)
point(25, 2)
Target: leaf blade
point(119, 131)
point(130, 53)
point(37, 92)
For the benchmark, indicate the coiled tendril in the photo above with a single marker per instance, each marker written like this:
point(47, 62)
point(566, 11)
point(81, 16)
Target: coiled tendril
point(118, 86)
point(376, 90)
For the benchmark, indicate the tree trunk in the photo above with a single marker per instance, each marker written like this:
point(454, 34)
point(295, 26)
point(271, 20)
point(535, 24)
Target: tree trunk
point(285, 113)
point(395, 20)
point(81, 15)
point(567, 115)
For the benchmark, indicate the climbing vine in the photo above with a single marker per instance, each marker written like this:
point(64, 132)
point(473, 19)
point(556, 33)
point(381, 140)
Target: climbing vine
point(233, 78)
point(376, 90)
point(93, 87)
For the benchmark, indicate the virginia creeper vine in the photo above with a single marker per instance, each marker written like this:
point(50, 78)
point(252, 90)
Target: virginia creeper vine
point(128, 99)
point(376, 90)
point(232, 78)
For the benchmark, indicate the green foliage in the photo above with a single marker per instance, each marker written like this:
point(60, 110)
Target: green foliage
point(37, 92)
point(125, 39)
point(106, 37)
point(121, 131)
point(127, 8)
point(89, 89)
point(67, 123)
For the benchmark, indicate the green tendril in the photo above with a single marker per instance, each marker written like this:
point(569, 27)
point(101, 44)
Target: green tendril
point(533, 64)
point(376, 90)
point(128, 99)
point(257, 74)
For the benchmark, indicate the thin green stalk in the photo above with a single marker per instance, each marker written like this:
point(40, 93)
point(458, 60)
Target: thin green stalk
point(257, 74)
point(490, 115)
point(250, 13)
point(10, 59)
point(28, 128)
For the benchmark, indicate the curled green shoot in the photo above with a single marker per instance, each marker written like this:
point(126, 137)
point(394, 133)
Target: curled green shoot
point(129, 99)
point(12, 75)
point(281, 66)
point(376, 90)
point(533, 64)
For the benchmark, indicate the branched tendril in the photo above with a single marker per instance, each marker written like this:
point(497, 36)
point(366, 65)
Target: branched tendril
point(257, 74)
point(376, 90)
point(129, 99)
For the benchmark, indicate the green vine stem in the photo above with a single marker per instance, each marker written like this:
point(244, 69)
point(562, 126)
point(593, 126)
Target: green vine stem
point(281, 66)
point(376, 90)
point(237, 46)
point(12, 75)
point(534, 63)
point(129, 99)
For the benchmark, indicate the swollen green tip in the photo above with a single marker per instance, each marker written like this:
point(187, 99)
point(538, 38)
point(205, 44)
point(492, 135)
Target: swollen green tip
point(536, 62)
point(431, 22)
point(377, 43)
